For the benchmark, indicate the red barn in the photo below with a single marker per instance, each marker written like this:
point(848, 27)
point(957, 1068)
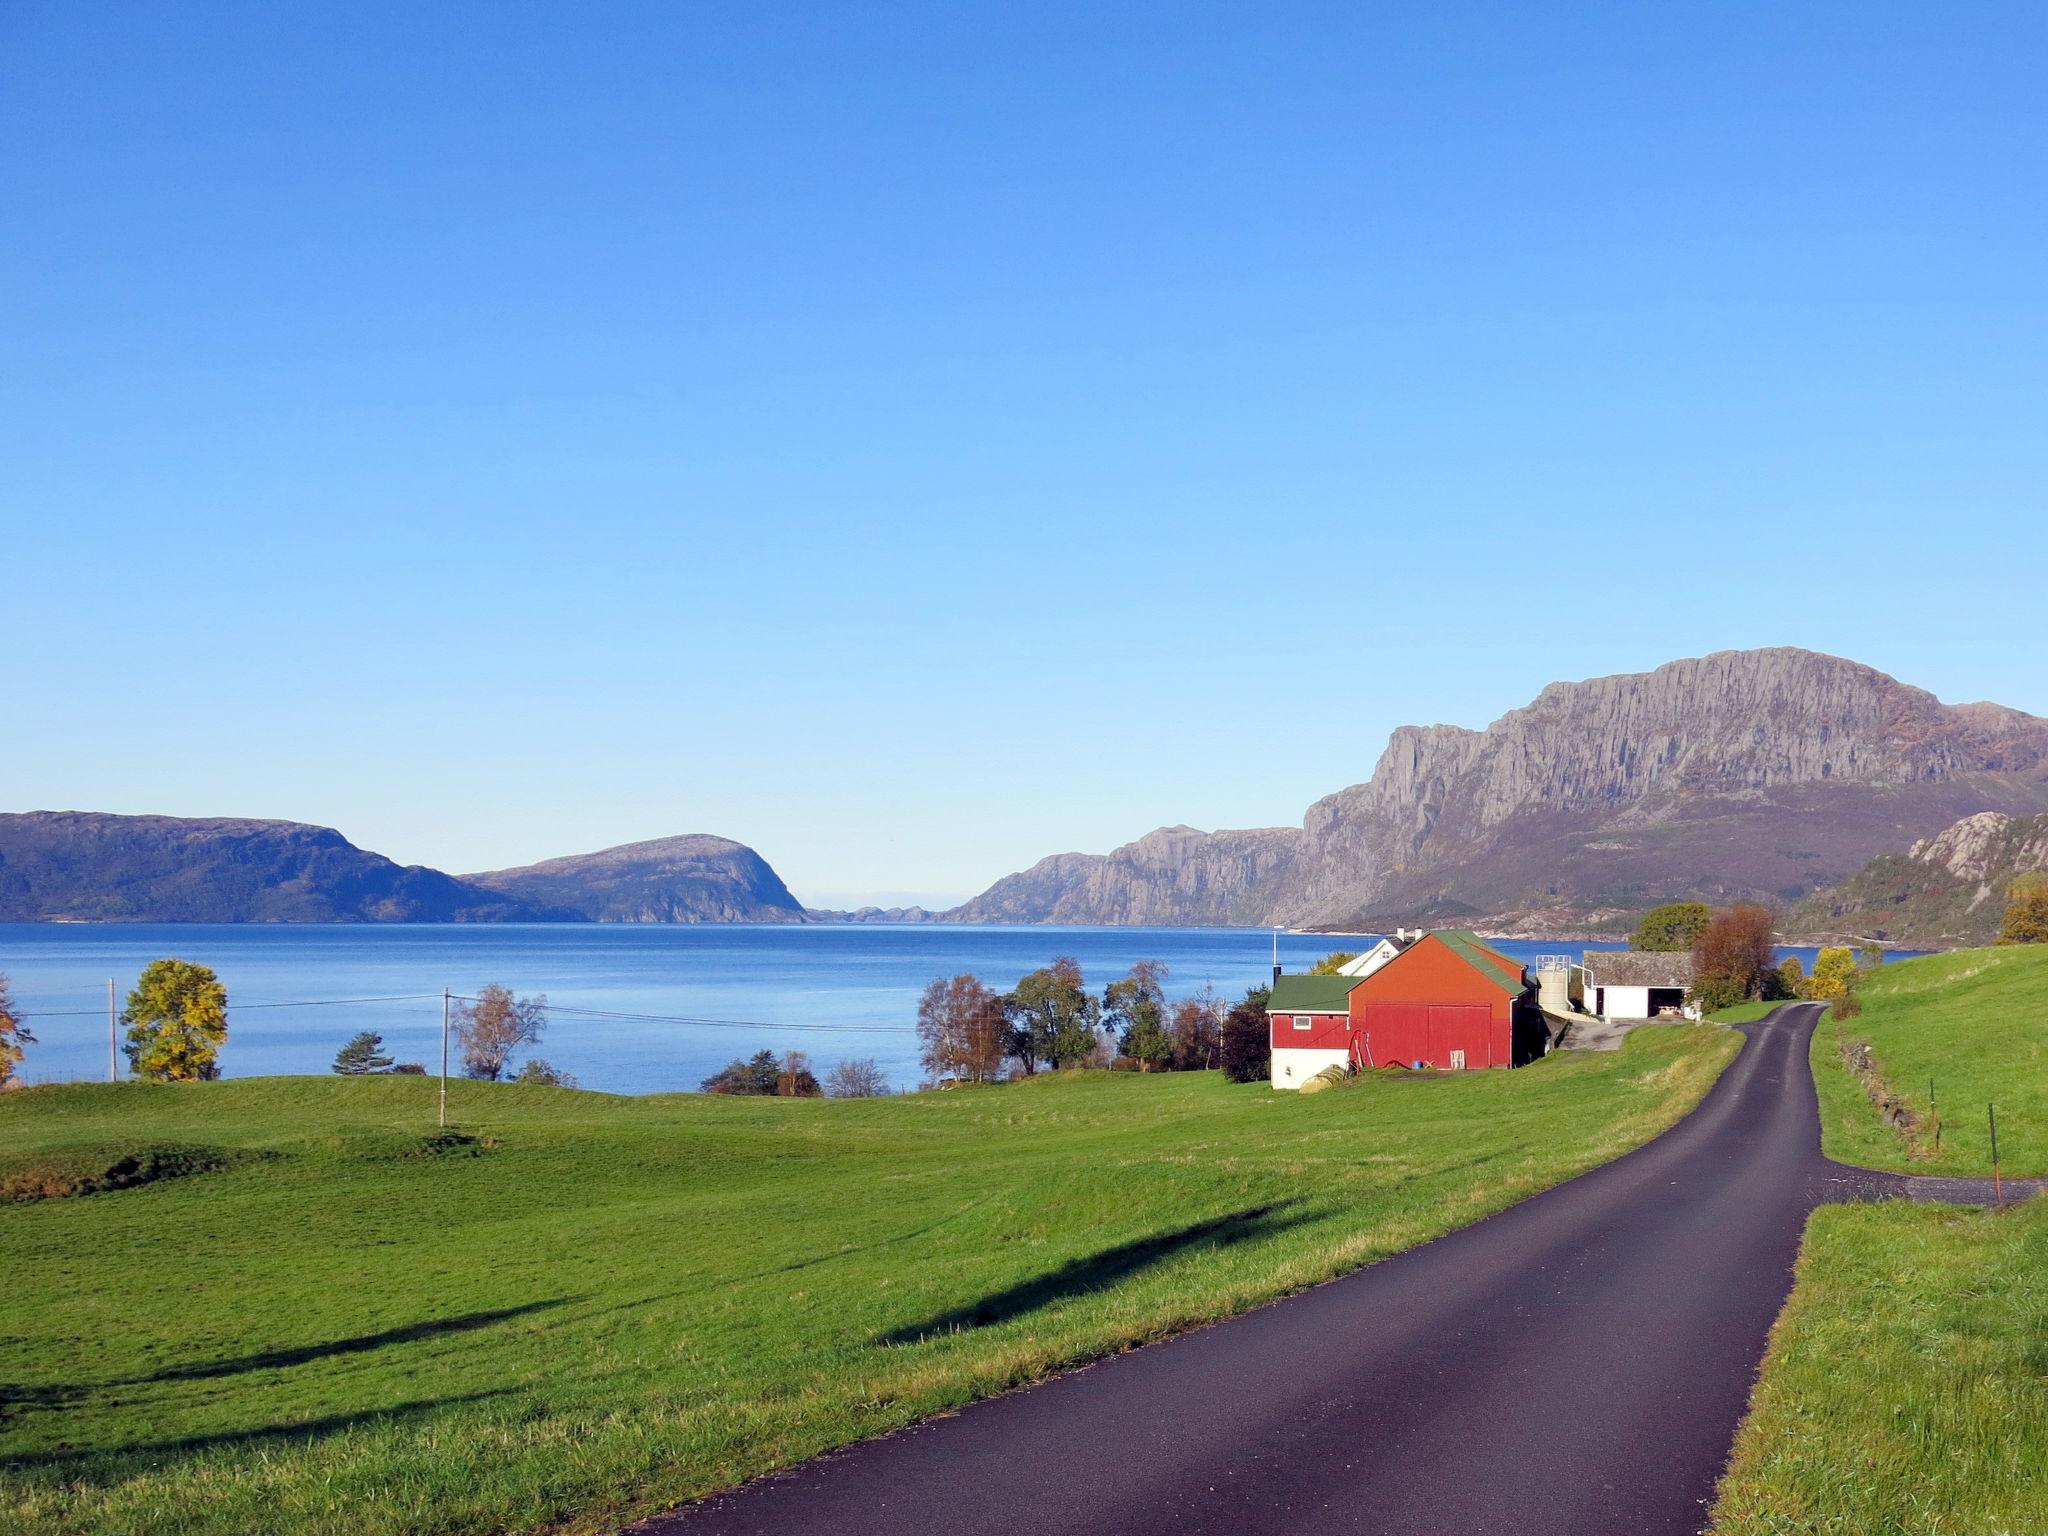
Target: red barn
point(1450, 1000)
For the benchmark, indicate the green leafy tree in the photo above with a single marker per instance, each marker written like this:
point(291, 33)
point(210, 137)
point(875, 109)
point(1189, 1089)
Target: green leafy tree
point(177, 1020)
point(362, 1055)
point(13, 1034)
point(1791, 978)
point(2026, 911)
point(543, 1074)
point(1674, 926)
point(1834, 972)
point(1051, 1016)
point(1246, 1050)
point(1333, 963)
point(1134, 1007)
point(494, 1024)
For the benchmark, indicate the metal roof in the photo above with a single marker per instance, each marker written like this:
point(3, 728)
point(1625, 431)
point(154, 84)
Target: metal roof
point(1312, 994)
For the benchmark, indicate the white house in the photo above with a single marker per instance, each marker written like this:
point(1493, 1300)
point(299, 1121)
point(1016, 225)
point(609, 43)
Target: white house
point(1378, 955)
point(1638, 984)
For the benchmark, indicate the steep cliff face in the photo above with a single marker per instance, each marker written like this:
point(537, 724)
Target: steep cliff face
point(1745, 773)
point(1945, 890)
point(1173, 875)
point(85, 866)
point(688, 879)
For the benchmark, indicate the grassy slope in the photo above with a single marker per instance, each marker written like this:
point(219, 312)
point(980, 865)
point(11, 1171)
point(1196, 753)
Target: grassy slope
point(631, 1301)
point(1742, 1013)
point(1977, 1022)
point(1906, 1389)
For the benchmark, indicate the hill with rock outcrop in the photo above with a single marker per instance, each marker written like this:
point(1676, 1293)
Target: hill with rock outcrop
point(1763, 774)
point(694, 878)
point(1946, 891)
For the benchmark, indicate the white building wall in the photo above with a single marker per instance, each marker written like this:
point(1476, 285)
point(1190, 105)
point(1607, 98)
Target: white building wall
point(1633, 1003)
point(1293, 1065)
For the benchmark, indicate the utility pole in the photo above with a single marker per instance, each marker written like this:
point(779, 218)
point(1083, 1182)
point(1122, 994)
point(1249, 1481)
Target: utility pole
point(113, 1069)
point(444, 1056)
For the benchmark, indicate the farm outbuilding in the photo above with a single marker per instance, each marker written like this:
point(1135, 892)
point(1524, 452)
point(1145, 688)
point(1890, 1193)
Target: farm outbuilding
point(1448, 1000)
point(1637, 983)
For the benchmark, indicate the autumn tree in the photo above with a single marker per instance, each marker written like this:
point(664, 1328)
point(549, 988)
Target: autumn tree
point(13, 1034)
point(1246, 1050)
point(2026, 911)
point(177, 1020)
point(1333, 963)
point(962, 1033)
point(794, 1078)
point(859, 1078)
point(1197, 1031)
point(1051, 1017)
point(1732, 954)
point(1834, 972)
point(1674, 926)
point(1134, 1007)
point(363, 1055)
point(494, 1024)
point(1791, 978)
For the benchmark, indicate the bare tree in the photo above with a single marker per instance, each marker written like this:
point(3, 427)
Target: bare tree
point(962, 1029)
point(494, 1025)
point(860, 1078)
point(1197, 1032)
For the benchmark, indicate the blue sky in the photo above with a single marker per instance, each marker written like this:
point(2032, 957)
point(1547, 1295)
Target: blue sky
point(915, 439)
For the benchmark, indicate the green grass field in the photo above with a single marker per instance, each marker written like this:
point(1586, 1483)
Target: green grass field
point(1976, 1022)
point(1742, 1013)
point(606, 1305)
point(1906, 1390)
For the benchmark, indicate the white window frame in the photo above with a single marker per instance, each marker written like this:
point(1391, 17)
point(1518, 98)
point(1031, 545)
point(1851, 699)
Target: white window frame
point(1302, 1021)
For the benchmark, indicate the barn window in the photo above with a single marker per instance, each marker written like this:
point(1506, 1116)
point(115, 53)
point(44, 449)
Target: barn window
point(1301, 1021)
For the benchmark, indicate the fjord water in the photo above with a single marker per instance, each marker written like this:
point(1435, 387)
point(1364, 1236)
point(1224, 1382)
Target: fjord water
point(835, 991)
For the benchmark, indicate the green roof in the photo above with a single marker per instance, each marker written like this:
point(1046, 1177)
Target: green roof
point(1312, 994)
point(1473, 950)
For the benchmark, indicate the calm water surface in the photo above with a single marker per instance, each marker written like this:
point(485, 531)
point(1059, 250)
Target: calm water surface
point(834, 991)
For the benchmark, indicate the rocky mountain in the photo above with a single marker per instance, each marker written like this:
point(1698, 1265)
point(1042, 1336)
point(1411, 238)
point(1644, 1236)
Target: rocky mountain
point(1744, 774)
point(1947, 890)
point(689, 879)
point(86, 866)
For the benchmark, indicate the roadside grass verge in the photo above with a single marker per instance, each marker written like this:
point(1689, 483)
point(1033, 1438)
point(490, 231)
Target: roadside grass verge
point(1741, 1013)
point(602, 1305)
point(1906, 1388)
point(1975, 1021)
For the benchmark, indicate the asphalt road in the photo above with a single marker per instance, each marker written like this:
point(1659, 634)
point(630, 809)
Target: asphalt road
point(1574, 1365)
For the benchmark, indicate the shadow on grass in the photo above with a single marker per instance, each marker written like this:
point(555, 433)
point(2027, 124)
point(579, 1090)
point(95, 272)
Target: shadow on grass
point(264, 1435)
point(14, 1398)
point(1099, 1271)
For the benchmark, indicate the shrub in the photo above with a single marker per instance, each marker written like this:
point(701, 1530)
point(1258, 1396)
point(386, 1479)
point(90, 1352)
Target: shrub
point(859, 1078)
point(409, 1069)
point(1834, 972)
point(541, 1073)
point(1846, 1004)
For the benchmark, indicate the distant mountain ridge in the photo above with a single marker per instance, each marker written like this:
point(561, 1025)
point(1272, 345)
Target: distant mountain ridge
point(1946, 890)
point(90, 866)
point(1743, 774)
point(694, 878)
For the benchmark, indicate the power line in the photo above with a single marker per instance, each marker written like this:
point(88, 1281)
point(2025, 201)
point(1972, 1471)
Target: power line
point(315, 1002)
